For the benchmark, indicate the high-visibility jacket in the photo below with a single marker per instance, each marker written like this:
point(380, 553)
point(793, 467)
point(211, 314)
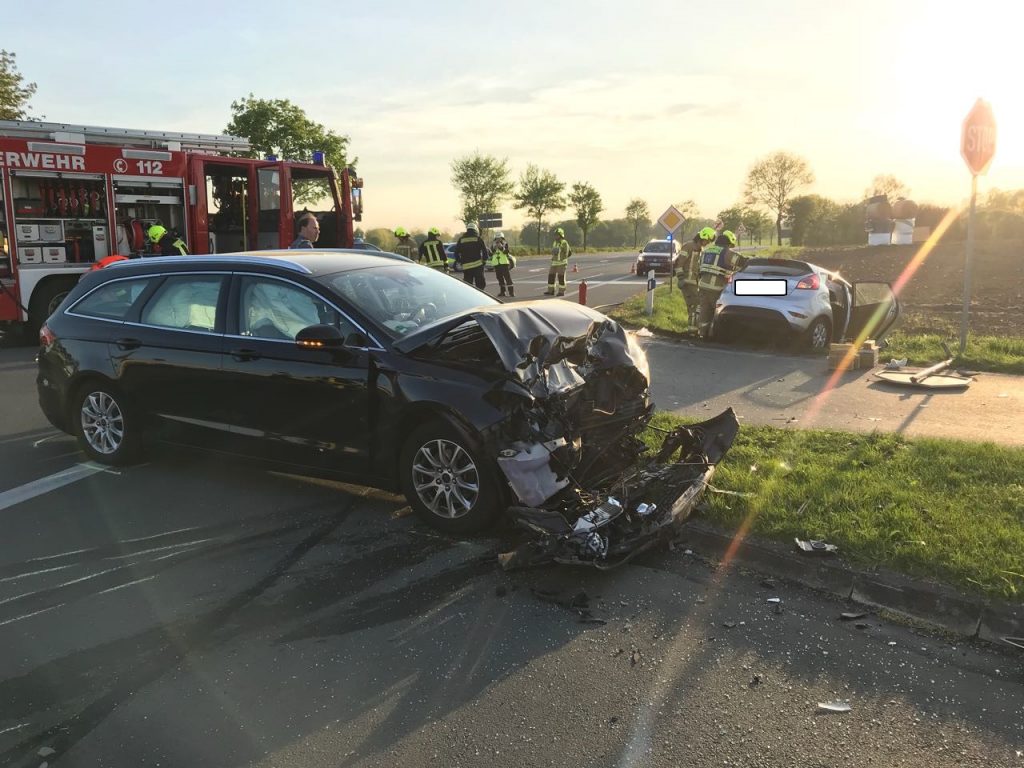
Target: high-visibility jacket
point(172, 245)
point(716, 265)
point(560, 252)
point(432, 253)
point(499, 257)
point(407, 247)
point(470, 251)
point(692, 252)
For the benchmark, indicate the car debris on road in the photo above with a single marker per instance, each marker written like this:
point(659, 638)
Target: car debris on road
point(590, 526)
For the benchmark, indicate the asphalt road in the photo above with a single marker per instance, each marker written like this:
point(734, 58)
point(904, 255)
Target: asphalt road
point(199, 611)
point(607, 275)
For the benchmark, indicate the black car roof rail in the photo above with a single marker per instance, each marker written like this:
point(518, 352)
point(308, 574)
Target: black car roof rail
point(219, 259)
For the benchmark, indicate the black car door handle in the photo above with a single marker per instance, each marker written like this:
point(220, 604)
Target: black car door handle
point(242, 355)
point(127, 344)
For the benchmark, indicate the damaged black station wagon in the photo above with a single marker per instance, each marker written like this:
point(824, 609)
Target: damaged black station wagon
point(385, 372)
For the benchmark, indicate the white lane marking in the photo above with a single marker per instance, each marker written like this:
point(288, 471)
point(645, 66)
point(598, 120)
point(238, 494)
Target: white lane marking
point(14, 728)
point(28, 616)
point(126, 584)
point(19, 438)
point(36, 573)
point(49, 483)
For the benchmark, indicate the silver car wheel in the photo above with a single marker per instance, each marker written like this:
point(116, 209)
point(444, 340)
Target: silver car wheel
point(445, 478)
point(102, 423)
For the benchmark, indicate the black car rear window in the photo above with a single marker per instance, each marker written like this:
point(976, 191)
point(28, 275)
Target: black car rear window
point(113, 300)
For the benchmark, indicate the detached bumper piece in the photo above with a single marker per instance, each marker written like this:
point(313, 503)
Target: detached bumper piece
point(606, 527)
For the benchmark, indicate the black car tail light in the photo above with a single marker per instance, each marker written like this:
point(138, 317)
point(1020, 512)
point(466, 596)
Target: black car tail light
point(46, 336)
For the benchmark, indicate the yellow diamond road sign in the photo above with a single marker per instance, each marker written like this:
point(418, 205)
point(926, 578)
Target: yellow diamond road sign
point(672, 219)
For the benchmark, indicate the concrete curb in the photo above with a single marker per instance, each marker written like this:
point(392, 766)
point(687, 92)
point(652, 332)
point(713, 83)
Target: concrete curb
point(935, 604)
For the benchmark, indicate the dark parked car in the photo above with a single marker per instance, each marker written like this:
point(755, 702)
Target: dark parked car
point(359, 364)
point(661, 256)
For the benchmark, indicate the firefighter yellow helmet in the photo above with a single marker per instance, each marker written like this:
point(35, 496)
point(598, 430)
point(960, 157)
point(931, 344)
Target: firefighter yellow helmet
point(400, 232)
point(728, 235)
point(708, 233)
point(156, 232)
point(433, 231)
point(560, 232)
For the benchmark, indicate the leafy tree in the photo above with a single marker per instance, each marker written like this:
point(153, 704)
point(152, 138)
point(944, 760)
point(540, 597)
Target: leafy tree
point(773, 180)
point(382, 238)
point(885, 184)
point(586, 201)
point(278, 127)
point(482, 182)
point(731, 218)
point(539, 192)
point(637, 213)
point(14, 91)
point(756, 223)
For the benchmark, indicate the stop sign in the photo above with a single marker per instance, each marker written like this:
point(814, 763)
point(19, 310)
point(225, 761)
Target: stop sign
point(978, 138)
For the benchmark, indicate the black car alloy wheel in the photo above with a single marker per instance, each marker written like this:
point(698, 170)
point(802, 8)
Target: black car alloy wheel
point(446, 480)
point(107, 428)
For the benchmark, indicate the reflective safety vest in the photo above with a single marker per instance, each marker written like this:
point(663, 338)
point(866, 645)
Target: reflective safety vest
point(560, 253)
point(499, 257)
point(432, 254)
point(691, 266)
point(406, 247)
point(716, 264)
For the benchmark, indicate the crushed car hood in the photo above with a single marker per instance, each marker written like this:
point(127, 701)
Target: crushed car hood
point(553, 338)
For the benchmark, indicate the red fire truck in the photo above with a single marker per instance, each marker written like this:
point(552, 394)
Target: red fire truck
point(71, 195)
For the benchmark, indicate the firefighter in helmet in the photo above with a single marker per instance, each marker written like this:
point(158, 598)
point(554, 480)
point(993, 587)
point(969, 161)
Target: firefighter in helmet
point(166, 243)
point(406, 245)
point(503, 262)
point(431, 251)
point(689, 277)
point(560, 253)
point(717, 265)
point(471, 253)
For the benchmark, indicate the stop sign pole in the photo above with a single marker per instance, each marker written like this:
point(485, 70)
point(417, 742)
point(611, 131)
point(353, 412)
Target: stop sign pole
point(977, 146)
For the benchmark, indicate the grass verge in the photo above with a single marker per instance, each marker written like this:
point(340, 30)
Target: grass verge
point(942, 509)
point(996, 354)
point(669, 316)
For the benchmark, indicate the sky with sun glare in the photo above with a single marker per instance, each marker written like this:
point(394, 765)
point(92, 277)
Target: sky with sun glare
point(663, 101)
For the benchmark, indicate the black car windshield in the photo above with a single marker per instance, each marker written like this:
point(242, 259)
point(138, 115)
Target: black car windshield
point(657, 246)
point(403, 297)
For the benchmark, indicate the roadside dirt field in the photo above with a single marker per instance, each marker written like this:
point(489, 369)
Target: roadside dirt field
point(932, 300)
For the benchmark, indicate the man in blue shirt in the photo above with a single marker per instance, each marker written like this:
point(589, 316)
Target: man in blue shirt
point(309, 231)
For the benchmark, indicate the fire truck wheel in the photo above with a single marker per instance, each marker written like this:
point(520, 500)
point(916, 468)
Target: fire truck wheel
point(45, 300)
point(107, 424)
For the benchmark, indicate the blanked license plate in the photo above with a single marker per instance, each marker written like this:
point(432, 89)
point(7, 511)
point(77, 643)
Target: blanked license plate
point(778, 287)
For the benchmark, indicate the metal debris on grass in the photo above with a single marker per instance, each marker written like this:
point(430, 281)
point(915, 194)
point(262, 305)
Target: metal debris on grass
point(816, 547)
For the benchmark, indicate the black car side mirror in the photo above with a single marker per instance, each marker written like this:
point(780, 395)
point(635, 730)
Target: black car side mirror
point(320, 337)
point(357, 340)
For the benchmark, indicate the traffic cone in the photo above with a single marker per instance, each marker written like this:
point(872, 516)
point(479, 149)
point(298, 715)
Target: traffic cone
point(632, 268)
point(575, 267)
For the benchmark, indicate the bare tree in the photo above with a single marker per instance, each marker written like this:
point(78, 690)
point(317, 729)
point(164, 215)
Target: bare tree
point(773, 180)
point(888, 185)
point(637, 213)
